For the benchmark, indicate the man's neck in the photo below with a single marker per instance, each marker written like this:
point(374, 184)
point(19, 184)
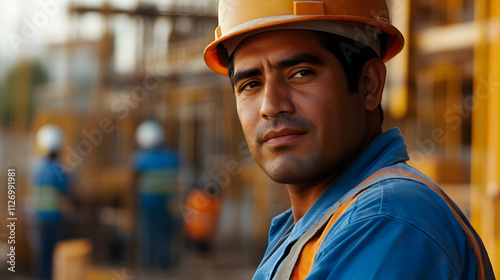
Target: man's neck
point(303, 195)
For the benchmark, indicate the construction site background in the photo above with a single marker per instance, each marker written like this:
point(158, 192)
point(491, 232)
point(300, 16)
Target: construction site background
point(99, 68)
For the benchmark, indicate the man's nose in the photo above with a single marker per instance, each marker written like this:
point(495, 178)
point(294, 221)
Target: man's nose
point(277, 100)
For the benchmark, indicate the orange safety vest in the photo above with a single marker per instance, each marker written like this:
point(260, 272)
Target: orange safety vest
point(300, 259)
point(201, 216)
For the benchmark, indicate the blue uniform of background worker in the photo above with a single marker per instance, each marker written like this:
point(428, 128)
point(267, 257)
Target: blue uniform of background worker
point(156, 172)
point(49, 184)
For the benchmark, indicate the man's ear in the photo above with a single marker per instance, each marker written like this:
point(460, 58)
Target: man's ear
point(372, 82)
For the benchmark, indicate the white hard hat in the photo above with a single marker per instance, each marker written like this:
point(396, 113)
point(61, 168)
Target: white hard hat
point(50, 137)
point(149, 134)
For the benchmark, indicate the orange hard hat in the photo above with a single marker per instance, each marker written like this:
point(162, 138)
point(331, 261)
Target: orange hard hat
point(366, 21)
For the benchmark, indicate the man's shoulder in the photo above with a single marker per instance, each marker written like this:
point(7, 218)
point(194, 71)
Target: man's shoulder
point(401, 192)
point(400, 198)
point(407, 205)
point(403, 219)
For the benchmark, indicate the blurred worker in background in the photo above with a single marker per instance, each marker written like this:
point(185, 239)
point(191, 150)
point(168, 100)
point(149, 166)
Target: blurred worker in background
point(308, 78)
point(200, 218)
point(49, 184)
point(155, 169)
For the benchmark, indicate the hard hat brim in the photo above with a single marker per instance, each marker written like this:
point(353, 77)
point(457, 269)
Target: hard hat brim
point(394, 40)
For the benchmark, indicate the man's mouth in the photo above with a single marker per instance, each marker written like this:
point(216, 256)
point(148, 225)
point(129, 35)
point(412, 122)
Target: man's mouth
point(282, 137)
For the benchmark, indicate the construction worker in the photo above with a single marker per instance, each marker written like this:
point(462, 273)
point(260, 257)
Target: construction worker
point(308, 78)
point(48, 187)
point(156, 172)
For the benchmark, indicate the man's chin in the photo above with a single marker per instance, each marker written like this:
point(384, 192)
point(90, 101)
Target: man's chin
point(285, 174)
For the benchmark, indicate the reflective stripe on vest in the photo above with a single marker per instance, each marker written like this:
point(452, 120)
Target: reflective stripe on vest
point(299, 261)
point(305, 262)
point(158, 181)
point(46, 198)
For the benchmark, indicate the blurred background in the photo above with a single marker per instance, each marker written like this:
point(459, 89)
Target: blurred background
point(97, 69)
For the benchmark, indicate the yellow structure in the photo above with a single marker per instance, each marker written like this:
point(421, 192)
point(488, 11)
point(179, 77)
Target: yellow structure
point(71, 259)
point(485, 177)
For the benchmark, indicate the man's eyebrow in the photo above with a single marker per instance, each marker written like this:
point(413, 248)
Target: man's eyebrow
point(300, 58)
point(244, 74)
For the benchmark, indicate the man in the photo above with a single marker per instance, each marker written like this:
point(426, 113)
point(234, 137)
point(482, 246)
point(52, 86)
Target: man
point(155, 170)
point(308, 78)
point(48, 187)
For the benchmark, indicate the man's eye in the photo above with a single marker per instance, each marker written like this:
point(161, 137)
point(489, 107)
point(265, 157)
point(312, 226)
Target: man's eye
point(250, 85)
point(302, 73)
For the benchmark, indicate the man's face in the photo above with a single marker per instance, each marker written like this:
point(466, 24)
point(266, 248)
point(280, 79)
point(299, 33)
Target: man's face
point(299, 119)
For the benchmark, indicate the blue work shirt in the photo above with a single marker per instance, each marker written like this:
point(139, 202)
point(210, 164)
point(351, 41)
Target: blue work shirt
point(157, 173)
point(49, 183)
point(397, 229)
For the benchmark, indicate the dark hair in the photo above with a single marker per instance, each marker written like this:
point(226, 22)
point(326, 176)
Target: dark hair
point(352, 56)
